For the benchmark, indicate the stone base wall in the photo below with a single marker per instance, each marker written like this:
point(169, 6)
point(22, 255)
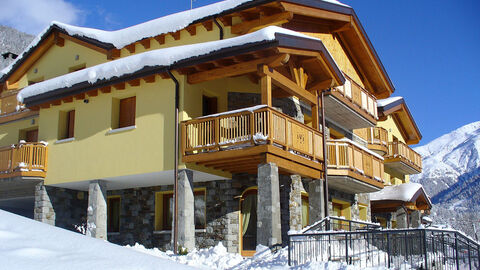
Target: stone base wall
point(137, 216)
point(64, 208)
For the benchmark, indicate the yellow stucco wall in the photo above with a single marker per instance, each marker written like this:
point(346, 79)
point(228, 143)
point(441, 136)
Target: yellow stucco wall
point(392, 129)
point(337, 52)
point(10, 132)
point(96, 154)
point(57, 61)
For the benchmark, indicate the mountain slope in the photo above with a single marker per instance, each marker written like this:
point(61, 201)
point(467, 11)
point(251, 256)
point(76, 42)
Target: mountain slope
point(448, 157)
point(451, 177)
point(13, 41)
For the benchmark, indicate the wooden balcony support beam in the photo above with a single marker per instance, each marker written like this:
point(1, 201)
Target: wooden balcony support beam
point(266, 90)
point(286, 84)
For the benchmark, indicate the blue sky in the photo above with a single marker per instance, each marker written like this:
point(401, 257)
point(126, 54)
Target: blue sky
point(430, 48)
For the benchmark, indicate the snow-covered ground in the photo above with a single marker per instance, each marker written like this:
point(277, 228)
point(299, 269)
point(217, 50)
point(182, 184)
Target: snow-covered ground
point(28, 244)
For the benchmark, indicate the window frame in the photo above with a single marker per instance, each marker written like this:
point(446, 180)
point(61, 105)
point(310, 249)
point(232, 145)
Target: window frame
point(127, 119)
point(162, 207)
point(109, 212)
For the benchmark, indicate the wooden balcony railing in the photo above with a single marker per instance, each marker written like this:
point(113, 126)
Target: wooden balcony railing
point(405, 153)
point(376, 137)
point(250, 127)
point(359, 96)
point(346, 155)
point(23, 159)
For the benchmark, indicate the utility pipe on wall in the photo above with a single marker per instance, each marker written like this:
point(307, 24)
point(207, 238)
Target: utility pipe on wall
point(175, 184)
point(325, 163)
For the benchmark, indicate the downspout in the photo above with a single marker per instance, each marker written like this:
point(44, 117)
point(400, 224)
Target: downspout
point(219, 27)
point(325, 163)
point(175, 184)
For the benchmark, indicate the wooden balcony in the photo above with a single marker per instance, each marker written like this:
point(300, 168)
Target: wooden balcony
point(403, 159)
point(351, 106)
point(23, 159)
point(376, 137)
point(237, 141)
point(352, 168)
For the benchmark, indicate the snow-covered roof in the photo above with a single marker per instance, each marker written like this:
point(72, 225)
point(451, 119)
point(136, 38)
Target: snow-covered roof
point(387, 101)
point(154, 58)
point(404, 192)
point(163, 25)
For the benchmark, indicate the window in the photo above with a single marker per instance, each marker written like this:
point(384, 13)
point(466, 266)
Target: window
point(123, 113)
point(209, 105)
point(113, 214)
point(29, 135)
point(66, 124)
point(164, 209)
point(305, 210)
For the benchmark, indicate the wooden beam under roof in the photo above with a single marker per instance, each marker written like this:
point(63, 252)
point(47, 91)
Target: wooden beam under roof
point(249, 26)
point(315, 12)
point(208, 25)
point(234, 70)
point(287, 85)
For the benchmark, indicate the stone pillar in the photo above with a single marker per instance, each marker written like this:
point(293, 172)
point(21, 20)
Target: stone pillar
point(401, 217)
point(43, 210)
point(186, 210)
point(415, 219)
point(97, 209)
point(269, 227)
point(295, 205)
point(315, 201)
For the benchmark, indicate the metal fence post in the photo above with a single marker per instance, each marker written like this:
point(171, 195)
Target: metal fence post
point(456, 251)
point(425, 251)
point(406, 246)
point(289, 247)
point(388, 249)
point(346, 248)
point(469, 258)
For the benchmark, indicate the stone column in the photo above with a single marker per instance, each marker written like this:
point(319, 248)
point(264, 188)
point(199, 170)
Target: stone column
point(269, 227)
point(97, 209)
point(186, 210)
point(43, 211)
point(315, 201)
point(295, 205)
point(415, 219)
point(401, 216)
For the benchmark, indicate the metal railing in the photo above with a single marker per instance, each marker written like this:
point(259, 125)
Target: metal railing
point(23, 158)
point(397, 249)
point(341, 224)
point(401, 150)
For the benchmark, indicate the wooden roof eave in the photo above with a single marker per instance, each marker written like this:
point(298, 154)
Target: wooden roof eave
point(404, 120)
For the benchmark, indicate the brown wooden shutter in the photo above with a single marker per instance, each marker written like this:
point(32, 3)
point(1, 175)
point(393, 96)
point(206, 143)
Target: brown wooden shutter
point(71, 124)
point(32, 135)
point(127, 112)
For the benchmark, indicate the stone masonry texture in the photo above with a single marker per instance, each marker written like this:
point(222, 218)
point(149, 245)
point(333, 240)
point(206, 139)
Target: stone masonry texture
point(268, 206)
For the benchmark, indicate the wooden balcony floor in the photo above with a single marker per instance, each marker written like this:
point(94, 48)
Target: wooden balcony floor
point(246, 160)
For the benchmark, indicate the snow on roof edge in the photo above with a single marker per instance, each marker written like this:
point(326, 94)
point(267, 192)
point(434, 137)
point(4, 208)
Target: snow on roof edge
point(154, 58)
point(387, 101)
point(125, 36)
point(403, 192)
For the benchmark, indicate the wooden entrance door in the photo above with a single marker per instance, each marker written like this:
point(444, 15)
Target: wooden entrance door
point(248, 222)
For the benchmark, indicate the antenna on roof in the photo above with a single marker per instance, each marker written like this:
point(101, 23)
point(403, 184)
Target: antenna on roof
point(191, 3)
